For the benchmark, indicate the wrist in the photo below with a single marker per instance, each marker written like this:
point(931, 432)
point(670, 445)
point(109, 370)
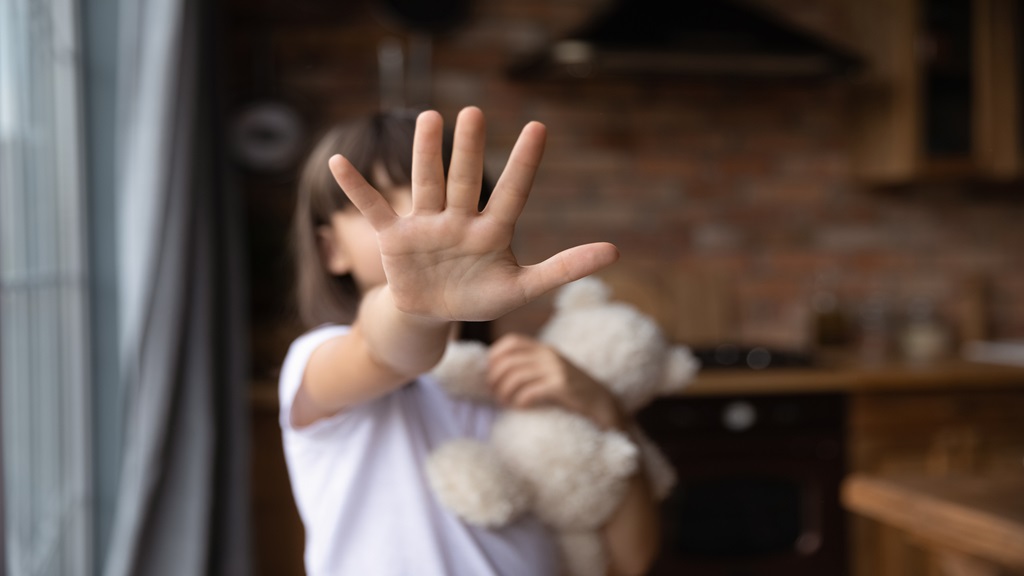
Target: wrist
point(410, 319)
point(609, 415)
point(404, 343)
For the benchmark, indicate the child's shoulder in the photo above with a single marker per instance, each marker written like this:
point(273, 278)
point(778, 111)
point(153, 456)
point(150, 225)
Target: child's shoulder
point(294, 365)
point(303, 346)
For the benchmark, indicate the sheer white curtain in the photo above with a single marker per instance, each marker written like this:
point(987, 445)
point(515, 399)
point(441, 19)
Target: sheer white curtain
point(179, 492)
point(44, 369)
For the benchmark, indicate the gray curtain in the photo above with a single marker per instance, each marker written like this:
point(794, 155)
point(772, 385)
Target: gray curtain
point(181, 496)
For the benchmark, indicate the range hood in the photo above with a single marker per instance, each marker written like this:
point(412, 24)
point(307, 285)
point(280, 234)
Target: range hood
point(728, 38)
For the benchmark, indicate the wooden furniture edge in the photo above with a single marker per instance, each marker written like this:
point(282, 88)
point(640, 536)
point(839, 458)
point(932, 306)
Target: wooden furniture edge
point(944, 522)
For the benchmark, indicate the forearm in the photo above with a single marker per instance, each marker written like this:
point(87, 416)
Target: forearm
point(384, 349)
point(632, 534)
point(406, 344)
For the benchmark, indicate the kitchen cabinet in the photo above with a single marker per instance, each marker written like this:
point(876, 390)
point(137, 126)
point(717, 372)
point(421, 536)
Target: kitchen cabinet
point(940, 98)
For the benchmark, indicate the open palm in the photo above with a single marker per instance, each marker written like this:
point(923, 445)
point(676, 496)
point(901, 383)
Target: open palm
point(446, 259)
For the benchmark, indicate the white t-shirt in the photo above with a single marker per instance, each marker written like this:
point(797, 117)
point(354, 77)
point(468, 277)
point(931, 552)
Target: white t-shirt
point(363, 497)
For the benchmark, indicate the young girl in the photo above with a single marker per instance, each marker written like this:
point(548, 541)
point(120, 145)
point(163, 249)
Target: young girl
point(385, 267)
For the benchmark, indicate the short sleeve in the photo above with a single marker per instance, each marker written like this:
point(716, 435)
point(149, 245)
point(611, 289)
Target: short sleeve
point(294, 367)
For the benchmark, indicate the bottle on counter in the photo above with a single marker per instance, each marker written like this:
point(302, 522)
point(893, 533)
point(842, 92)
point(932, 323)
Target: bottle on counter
point(925, 337)
point(829, 325)
point(875, 327)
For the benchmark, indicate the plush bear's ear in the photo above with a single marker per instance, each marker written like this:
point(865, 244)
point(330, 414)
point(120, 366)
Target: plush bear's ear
point(680, 368)
point(583, 293)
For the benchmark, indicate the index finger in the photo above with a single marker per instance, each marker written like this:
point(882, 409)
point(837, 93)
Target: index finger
point(366, 198)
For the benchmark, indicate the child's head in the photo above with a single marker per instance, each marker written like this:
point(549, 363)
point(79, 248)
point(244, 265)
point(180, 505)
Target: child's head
point(380, 148)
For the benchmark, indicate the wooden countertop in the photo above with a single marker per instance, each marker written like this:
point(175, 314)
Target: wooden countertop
point(836, 376)
point(978, 516)
point(840, 375)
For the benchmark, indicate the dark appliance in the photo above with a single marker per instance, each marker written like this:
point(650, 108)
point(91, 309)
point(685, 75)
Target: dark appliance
point(735, 357)
point(724, 38)
point(758, 491)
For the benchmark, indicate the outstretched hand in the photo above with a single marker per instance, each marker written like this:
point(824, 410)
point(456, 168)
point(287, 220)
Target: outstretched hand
point(448, 260)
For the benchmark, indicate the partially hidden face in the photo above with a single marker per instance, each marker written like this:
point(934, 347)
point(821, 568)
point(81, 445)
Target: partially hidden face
point(349, 245)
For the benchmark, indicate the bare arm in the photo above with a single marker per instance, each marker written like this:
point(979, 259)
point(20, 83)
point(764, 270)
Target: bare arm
point(632, 535)
point(445, 261)
point(524, 373)
point(384, 349)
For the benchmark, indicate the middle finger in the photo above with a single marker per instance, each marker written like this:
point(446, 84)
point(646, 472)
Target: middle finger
point(465, 175)
point(427, 164)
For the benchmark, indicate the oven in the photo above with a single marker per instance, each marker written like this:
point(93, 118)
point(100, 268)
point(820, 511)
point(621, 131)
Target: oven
point(758, 490)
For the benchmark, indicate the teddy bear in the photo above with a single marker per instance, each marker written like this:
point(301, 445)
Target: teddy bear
point(552, 462)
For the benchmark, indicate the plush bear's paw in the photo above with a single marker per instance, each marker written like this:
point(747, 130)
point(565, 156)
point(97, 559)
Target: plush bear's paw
point(470, 480)
point(620, 454)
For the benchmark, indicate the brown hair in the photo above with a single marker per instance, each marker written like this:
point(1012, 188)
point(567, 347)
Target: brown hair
point(379, 145)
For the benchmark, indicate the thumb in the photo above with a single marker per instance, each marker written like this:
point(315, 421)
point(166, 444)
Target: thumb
point(566, 266)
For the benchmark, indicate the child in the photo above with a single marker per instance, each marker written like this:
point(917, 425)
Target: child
point(382, 277)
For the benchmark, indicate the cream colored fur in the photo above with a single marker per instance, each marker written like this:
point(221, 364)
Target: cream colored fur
point(553, 463)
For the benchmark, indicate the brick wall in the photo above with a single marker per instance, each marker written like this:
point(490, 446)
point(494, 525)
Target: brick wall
point(749, 179)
